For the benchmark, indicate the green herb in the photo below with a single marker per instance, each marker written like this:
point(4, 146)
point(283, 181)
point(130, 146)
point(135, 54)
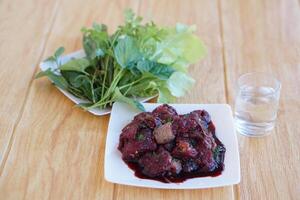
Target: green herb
point(169, 119)
point(137, 60)
point(139, 136)
point(55, 57)
point(217, 152)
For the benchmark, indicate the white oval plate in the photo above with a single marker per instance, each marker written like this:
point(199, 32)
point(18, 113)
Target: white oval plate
point(64, 59)
point(116, 171)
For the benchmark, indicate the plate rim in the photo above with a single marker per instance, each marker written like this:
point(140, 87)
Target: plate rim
point(235, 180)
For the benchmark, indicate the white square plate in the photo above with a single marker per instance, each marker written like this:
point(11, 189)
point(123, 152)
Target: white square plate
point(117, 171)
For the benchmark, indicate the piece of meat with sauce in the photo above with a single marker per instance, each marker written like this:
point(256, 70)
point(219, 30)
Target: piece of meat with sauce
point(165, 146)
point(164, 134)
point(179, 126)
point(184, 149)
point(156, 163)
point(165, 112)
point(190, 166)
point(129, 131)
point(206, 161)
point(170, 146)
point(132, 149)
point(205, 158)
point(176, 166)
point(202, 114)
point(147, 119)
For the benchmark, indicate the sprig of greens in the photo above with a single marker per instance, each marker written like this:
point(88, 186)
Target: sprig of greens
point(137, 60)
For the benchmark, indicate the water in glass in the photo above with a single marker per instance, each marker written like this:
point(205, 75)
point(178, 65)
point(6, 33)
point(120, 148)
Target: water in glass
point(256, 109)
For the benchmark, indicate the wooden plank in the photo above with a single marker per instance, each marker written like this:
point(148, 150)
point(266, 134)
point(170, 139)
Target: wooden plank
point(21, 44)
point(264, 36)
point(58, 150)
point(209, 87)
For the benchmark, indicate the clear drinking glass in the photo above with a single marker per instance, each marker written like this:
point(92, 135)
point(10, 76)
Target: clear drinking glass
point(256, 104)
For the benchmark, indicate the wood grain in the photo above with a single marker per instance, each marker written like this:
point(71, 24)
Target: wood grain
point(21, 45)
point(264, 36)
point(51, 150)
point(57, 151)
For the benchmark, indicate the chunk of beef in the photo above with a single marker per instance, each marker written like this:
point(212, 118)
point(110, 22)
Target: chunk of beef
point(132, 149)
point(206, 142)
point(130, 130)
point(192, 125)
point(206, 161)
point(169, 146)
point(164, 134)
point(165, 144)
point(179, 126)
point(176, 166)
point(190, 166)
point(128, 133)
point(184, 149)
point(206, 147)
point(147, 119)
point(203, 115)
point(156, 163)
point(165, 112)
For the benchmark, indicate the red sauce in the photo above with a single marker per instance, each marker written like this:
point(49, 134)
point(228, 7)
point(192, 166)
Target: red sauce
point(182, 176)
point(178, 179)
point(149, 158)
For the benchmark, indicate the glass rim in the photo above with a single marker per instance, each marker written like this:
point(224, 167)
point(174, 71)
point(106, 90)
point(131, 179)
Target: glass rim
point(277, 82)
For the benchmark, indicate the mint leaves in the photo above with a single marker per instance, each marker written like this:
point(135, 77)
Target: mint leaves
point(137, 60)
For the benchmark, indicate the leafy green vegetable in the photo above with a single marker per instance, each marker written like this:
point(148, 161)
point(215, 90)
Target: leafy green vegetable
point(137, 60)
point(179, 48)
point(160, 70)
point(139, 136)
point(59, 81)
point(77, 65)
point(165, 95)
point(179, 83)
point(95, 41)
point(59, 52)
point(118, 96)
point(55, 57)
point(127, 52)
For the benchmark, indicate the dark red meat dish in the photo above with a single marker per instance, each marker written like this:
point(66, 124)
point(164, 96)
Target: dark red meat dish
point(165, 146)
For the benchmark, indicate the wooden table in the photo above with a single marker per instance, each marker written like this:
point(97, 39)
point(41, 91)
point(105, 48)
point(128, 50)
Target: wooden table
point(51, 150)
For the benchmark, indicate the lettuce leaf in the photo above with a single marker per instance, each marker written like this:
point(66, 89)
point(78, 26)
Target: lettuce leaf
point(179, 83)
point(179, 48)
point(137, 60)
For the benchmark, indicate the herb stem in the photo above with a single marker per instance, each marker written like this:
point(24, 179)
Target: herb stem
point(110, 90)
point(132, 83)
point(99, 104)
point(105, 74)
